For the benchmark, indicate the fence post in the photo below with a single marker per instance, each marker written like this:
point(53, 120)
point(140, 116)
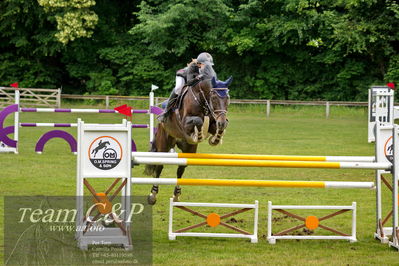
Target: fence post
point(267, 108)
point(327, 110)
point(107, 102)
point(59, 98)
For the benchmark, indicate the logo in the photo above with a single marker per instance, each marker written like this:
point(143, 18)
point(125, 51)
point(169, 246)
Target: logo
point(388, 149)
point(105, 152)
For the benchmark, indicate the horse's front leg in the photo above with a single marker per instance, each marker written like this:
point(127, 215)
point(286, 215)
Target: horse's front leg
point(177, 192)
point(216, 134)
point(193, 125)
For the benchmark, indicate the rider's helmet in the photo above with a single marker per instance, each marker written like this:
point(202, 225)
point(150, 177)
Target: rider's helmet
point(205, 58)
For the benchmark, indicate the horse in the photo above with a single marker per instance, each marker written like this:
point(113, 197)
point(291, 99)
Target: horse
point(101, 145)
point(201, 111)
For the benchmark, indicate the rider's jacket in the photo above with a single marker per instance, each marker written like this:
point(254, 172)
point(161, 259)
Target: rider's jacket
point(182, 73)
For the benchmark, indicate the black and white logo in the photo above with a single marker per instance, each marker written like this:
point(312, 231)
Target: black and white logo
point(388, 149)
point(105, 152)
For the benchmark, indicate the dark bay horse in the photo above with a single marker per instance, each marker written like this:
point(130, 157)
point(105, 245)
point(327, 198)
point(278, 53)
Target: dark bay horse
point(202, 112)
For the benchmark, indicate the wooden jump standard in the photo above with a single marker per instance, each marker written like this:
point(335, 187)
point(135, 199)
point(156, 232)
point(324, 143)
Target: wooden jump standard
point(251, 183)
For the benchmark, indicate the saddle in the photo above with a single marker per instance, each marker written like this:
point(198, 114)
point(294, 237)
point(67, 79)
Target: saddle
point(176, 103)
point(179, 100)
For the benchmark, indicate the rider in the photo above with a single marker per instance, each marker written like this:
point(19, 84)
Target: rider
point(205, 63)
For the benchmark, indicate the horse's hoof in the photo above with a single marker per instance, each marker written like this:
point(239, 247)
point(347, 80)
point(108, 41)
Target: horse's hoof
point(152, 199)
point(212, 142)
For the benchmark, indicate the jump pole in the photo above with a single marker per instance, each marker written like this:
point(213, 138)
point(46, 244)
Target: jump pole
point(256, 157)
point(250, 183)
point(260, 163)
point(76, 110)
point(151, 111)
point(69, 125)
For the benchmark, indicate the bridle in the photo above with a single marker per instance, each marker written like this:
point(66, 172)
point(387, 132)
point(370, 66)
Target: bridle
point(207, 105)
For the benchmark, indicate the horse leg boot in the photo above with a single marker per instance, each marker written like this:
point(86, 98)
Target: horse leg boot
point(177, 192)
point(152, 198)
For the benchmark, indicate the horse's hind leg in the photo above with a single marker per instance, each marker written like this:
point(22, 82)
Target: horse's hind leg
point(188, 148)
point(152, 198)
point(163, 143)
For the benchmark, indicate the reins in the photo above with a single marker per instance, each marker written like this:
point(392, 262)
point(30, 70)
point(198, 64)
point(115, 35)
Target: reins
point(208, 107)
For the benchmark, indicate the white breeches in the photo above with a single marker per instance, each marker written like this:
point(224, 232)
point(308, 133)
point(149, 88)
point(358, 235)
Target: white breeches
point(179, 85)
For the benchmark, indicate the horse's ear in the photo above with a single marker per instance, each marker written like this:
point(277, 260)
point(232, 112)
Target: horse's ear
point(214, 84)
point(228, 81)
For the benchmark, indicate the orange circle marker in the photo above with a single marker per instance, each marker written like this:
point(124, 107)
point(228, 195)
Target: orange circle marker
point(104, 206)
point(213, 219)
point(312, 222)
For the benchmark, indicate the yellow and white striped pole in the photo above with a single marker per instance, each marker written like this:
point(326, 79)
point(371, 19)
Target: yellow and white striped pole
point(260, 163)
point(250, 183)
point(256, 157)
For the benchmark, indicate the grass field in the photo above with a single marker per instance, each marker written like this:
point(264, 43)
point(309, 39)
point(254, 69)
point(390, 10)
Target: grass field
point(296, 131)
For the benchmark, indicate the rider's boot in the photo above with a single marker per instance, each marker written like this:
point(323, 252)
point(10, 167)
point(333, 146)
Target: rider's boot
point(172, 99)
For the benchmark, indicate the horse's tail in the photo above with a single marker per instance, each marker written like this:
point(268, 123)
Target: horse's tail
point(150, 169)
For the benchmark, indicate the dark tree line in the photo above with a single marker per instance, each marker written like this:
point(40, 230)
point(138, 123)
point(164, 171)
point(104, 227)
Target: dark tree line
point(275, 49)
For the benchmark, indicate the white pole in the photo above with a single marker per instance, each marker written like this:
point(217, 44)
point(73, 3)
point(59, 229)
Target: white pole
point(59, 98)
point(354, 221)
point(269, 222)
point(327, 110)
point(267, 108)
point(256, 217)
point(171, 219)
point(251, 183)
point(311, 207)
point(151, 117)
point(395, 173)
point(107, 101)
point(378, 174)
point(152, 103)
point(16, 121)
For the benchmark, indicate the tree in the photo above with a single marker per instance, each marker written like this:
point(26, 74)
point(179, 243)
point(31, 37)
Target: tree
point(74, 18)
point(276, 49)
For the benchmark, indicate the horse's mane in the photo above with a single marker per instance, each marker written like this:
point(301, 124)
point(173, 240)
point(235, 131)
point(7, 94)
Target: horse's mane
point(192, 72)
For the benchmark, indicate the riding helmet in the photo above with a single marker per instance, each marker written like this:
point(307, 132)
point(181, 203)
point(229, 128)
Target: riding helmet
point(205, 58)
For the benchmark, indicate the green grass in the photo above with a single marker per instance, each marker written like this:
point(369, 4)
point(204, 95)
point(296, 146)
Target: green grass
point(300, 131)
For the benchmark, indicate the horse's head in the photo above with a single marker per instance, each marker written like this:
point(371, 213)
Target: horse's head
point(219, 100)
point(208, 99)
